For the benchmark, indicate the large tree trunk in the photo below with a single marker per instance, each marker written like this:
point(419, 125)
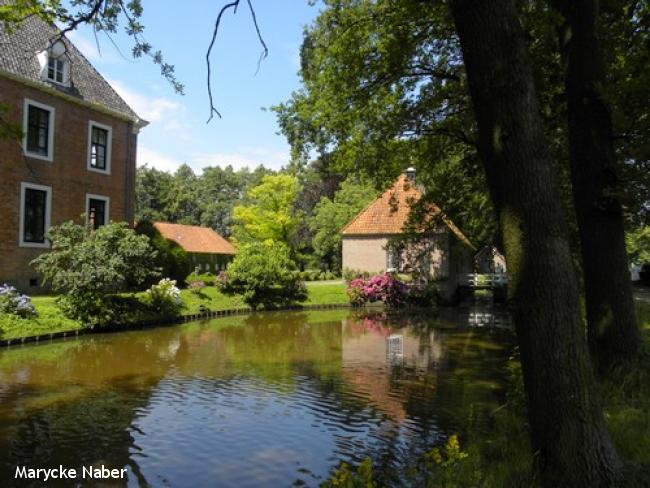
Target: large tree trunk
point(567, 426)
point(612, 328)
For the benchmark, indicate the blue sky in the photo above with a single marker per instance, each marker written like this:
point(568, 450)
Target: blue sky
point(178, 133)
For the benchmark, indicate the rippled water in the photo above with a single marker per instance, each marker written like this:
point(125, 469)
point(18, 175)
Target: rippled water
point(274, 399)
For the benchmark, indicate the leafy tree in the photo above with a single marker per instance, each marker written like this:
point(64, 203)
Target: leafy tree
point(152, 190)
point(264, 274)
point(171, 259)
point(268, 214)
point(638, 245)
point(184, 197)
point(331, 215)
point(86, 265)
point(568, 429)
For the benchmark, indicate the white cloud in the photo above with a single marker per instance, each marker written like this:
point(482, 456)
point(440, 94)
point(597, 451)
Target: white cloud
point(169, 114)
point(157, 159)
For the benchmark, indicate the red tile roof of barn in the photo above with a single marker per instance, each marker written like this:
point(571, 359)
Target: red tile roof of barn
point(389, 213)
point(193, 238)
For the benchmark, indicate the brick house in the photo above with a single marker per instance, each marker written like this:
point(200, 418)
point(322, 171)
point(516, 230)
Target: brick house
point(77, 154)
point(209, 252)
point(376, 239)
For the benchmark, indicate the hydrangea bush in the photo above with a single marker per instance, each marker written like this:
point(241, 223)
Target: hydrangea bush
point(165, 297)
point(380, 288)
point(14, 303)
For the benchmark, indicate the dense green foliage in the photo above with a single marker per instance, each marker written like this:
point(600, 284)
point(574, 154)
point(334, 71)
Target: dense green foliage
point(384, 87)
point(171, 259)
point(185, 198)
point(638, 244)
point(89, 265)
point(269, 215)
point(263, 273)
point(330, 215)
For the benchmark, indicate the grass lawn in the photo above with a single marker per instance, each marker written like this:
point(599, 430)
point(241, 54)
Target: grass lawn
point(50, 319)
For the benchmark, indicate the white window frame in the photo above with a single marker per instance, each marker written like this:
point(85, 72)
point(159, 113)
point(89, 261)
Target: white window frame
point(50, 129)
point(109, 146)
point(48, 213)
point(107, 201)
point(64, 71)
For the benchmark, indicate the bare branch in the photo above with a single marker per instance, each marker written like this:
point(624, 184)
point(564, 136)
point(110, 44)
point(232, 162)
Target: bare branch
point(232, 5)
point(265, 51)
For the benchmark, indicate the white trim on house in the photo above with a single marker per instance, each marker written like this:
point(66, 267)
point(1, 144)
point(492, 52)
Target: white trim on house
point(50, 129)
point(109, 144)
point(105, 199)
point(48, 214)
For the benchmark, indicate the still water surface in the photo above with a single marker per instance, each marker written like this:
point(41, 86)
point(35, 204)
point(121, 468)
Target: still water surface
point(275, 399)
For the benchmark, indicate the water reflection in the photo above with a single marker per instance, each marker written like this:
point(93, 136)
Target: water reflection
point(264, 400)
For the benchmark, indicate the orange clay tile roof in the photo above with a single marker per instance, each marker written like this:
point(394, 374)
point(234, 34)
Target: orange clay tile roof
point(388, 214)
point(195, 239)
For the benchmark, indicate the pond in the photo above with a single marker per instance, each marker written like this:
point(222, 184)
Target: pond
point(270, 399)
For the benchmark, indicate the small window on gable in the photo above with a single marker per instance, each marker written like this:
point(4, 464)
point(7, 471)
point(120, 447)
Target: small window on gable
point(99, 147)
point(56, 69)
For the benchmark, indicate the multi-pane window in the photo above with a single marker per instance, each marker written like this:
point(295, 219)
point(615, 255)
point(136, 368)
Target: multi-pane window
point(99, 147)
point(34, 214)
point(97, 210)
point(38, 130)
point(35, 210)
point(56, 69)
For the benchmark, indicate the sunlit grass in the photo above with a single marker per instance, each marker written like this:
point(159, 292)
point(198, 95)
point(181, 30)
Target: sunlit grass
point(51, 320)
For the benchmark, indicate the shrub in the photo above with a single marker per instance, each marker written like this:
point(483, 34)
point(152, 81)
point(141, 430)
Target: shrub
point(356, 292)
point(196, 285)
point(208, 279)
point(171, 258)
point(165, 297)
point(88, 265)
point(351, 274)
point(264, 274)
point(14, 303)
point(380, 288)
point(425, 295)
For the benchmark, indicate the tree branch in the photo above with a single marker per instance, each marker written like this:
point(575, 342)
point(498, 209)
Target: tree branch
point(265, 51)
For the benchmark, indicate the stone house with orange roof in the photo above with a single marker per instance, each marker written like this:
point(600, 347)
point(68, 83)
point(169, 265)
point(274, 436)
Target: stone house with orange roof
point(379, 239)
point(209, 252)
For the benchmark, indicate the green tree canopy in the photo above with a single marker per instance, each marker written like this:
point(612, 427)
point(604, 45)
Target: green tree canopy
point(331, 215)
point(268, 213)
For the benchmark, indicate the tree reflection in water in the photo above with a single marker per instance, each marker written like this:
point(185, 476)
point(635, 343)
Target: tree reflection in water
point(262, 400)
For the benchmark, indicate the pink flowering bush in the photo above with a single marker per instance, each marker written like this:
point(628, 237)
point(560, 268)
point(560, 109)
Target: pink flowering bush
point(380, 288)
point(356, 292)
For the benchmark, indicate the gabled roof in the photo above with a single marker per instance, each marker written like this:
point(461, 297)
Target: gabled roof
point(196, 239)
point(388, 214)
point(18, 57)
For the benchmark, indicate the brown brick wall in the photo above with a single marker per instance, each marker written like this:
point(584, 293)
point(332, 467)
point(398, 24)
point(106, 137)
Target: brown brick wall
point(67, 174)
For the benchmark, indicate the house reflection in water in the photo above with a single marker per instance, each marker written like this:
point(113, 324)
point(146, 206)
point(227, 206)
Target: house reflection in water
point(380, 363)
point(395, 350)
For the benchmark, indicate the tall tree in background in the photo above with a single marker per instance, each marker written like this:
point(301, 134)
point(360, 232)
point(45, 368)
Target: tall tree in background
point(567, 426)
point(268, 214)
point(330, 215)
point(612, 328)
